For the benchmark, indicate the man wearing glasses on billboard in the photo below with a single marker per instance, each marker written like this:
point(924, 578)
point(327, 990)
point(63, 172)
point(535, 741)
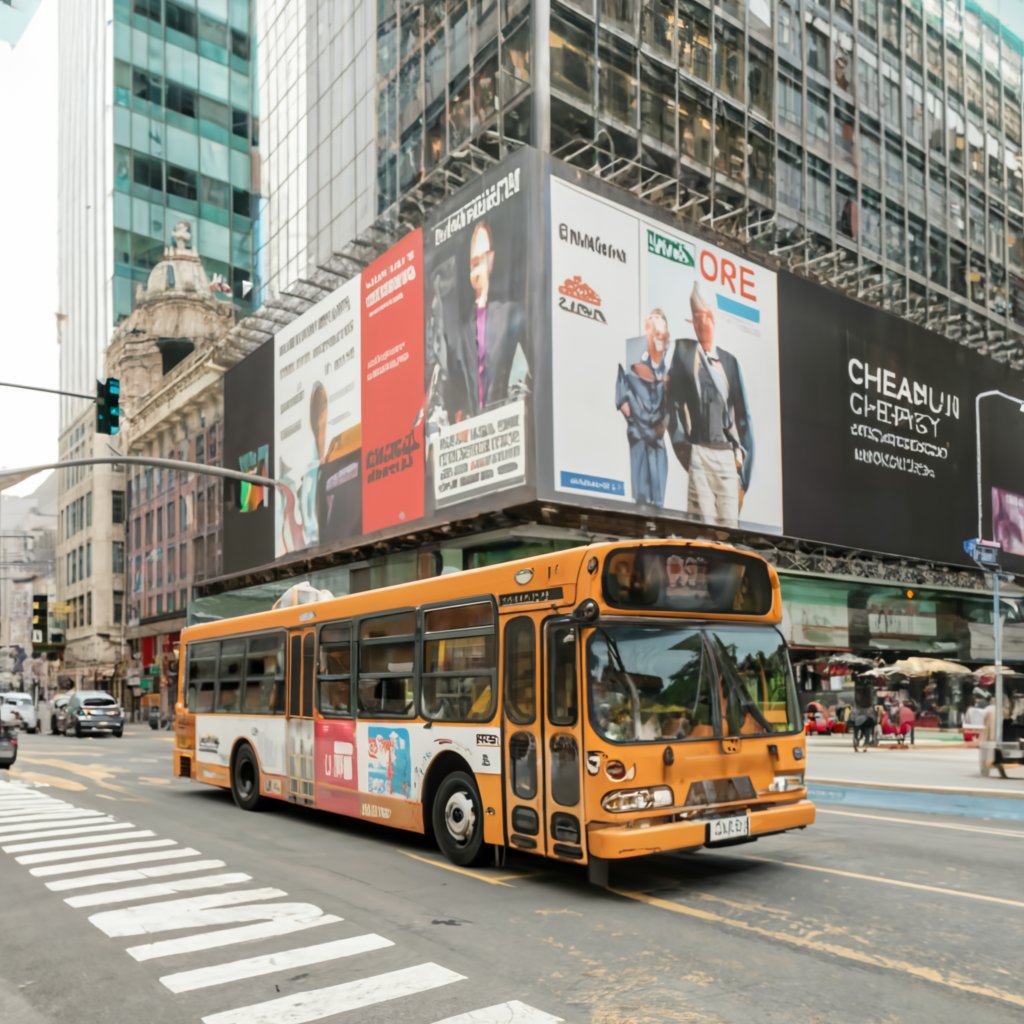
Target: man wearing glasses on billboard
point(710, 420)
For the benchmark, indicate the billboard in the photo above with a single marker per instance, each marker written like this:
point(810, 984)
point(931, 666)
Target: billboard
point(249, 447)
point(392, 390)
point(664, 369)
point(894, 439)
point(480, 343)
point(318, 424)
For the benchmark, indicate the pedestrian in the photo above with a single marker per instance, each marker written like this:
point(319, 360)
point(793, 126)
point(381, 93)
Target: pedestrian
point(989, 754)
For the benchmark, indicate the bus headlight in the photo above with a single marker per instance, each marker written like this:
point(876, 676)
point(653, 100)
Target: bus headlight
point(784, 783)
point(624, 800)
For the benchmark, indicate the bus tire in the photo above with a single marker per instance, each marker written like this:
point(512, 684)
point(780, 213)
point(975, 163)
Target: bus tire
point(245, 778)
point(458, 821)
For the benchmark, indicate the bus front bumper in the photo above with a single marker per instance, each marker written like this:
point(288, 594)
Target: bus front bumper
point(613, 842)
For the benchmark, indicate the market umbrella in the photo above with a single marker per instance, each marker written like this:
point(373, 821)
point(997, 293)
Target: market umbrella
point(987, 676)
point(849, 661)
point(928, 666)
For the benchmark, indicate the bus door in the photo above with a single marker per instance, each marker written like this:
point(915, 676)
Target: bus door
point(563, 742)
point(301, 669)
point(542, 734)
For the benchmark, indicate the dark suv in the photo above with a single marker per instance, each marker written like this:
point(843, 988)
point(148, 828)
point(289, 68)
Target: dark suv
point(93, 711)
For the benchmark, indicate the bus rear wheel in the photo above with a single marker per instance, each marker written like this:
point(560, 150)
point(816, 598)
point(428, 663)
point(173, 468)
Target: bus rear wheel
point(458, 821)
point(245, 779)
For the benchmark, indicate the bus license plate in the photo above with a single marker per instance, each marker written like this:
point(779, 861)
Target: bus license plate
point(734, 827)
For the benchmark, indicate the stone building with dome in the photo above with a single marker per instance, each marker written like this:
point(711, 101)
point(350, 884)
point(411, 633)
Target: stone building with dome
point(133, 539)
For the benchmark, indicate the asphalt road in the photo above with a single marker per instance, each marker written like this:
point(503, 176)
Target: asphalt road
point(866, 916)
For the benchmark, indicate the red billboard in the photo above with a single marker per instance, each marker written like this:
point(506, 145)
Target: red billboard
point(392, 385)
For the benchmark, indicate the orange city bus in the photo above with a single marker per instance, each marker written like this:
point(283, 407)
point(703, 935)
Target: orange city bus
point(607, 701)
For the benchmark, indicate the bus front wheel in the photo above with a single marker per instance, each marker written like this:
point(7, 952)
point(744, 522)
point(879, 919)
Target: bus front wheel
point(245, 779)
point(458, 820)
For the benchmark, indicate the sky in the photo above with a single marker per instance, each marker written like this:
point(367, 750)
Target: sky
point(28, 252)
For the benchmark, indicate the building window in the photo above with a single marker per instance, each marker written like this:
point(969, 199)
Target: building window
point(159, 524)
point(149, 528)
point(117, 506)
point(148, 172)
point(88, 559)
point(170, 519)
point(118, 607)
point(137, 532)
point(181, 182)
point(117, 556)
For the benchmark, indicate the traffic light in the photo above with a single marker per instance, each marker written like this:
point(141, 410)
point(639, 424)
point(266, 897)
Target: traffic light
point(39, 618)
point(108, 406)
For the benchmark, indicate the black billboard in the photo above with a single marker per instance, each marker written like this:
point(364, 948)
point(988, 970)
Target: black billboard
point(249, 447)
point(880, 439)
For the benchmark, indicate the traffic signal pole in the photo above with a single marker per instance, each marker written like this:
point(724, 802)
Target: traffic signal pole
point(9, 477)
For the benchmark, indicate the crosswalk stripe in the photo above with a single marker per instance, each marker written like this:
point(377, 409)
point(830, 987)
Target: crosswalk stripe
point(46, 858)
point(230, 936)
point(70, 827)
point(134, 875)
point(256, 966)
point(111, 862)
point(512, 1012)
point(23, 818)
point(214, 908)
point(27, 806)
point(145, 892)
point(53, 844)
point(316, 1004)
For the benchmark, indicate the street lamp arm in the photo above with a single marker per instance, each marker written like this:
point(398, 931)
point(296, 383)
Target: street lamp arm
point(9, 477)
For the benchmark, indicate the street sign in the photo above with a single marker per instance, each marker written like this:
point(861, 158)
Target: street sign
point(145, 685)
point(984, 552)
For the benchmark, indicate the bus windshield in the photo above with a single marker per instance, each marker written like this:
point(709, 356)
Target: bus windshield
point(658, 682)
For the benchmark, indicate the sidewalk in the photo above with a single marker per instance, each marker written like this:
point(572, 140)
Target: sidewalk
point(932, 777)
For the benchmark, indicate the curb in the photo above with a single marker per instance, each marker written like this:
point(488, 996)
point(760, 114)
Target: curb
point(958, 802)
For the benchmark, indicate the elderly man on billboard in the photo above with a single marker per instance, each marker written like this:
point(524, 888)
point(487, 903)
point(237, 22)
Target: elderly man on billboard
point(712, 434)
point(640, 397)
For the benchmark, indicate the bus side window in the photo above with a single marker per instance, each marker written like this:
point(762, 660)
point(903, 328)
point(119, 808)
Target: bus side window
point(264, 674)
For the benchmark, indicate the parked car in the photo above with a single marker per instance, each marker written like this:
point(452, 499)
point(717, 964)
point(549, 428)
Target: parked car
point(8, 745)
point(57, 713)
point(93, 711)
point(23, 704)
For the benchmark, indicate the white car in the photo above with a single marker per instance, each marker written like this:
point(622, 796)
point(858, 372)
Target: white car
point(20, 704)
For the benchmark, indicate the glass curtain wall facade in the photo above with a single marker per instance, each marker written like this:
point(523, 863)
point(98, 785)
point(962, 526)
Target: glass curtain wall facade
point(449, 72)
point(316, 78)
point(158, 124)
point(886, 133)
point(184, 136)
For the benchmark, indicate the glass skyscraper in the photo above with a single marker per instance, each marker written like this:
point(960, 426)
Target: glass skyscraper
point(157, 123)
point(874, 143)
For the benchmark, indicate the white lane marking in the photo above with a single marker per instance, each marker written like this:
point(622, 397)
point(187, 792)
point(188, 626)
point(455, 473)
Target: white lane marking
point(145, 892)
point(111, 862)
point(21, 819)
point(323, 1002)
point(67, 828)
point(46, 858)
point(1005, 832)
point(134, 875)
point(314, 918)
point(53, 844)
point(194, 912)
point(512, 1012)
point(11, 810)
point(256, 966)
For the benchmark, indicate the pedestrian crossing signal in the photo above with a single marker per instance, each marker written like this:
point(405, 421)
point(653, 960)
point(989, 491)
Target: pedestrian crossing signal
point(108, 406)
point(39, 618)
